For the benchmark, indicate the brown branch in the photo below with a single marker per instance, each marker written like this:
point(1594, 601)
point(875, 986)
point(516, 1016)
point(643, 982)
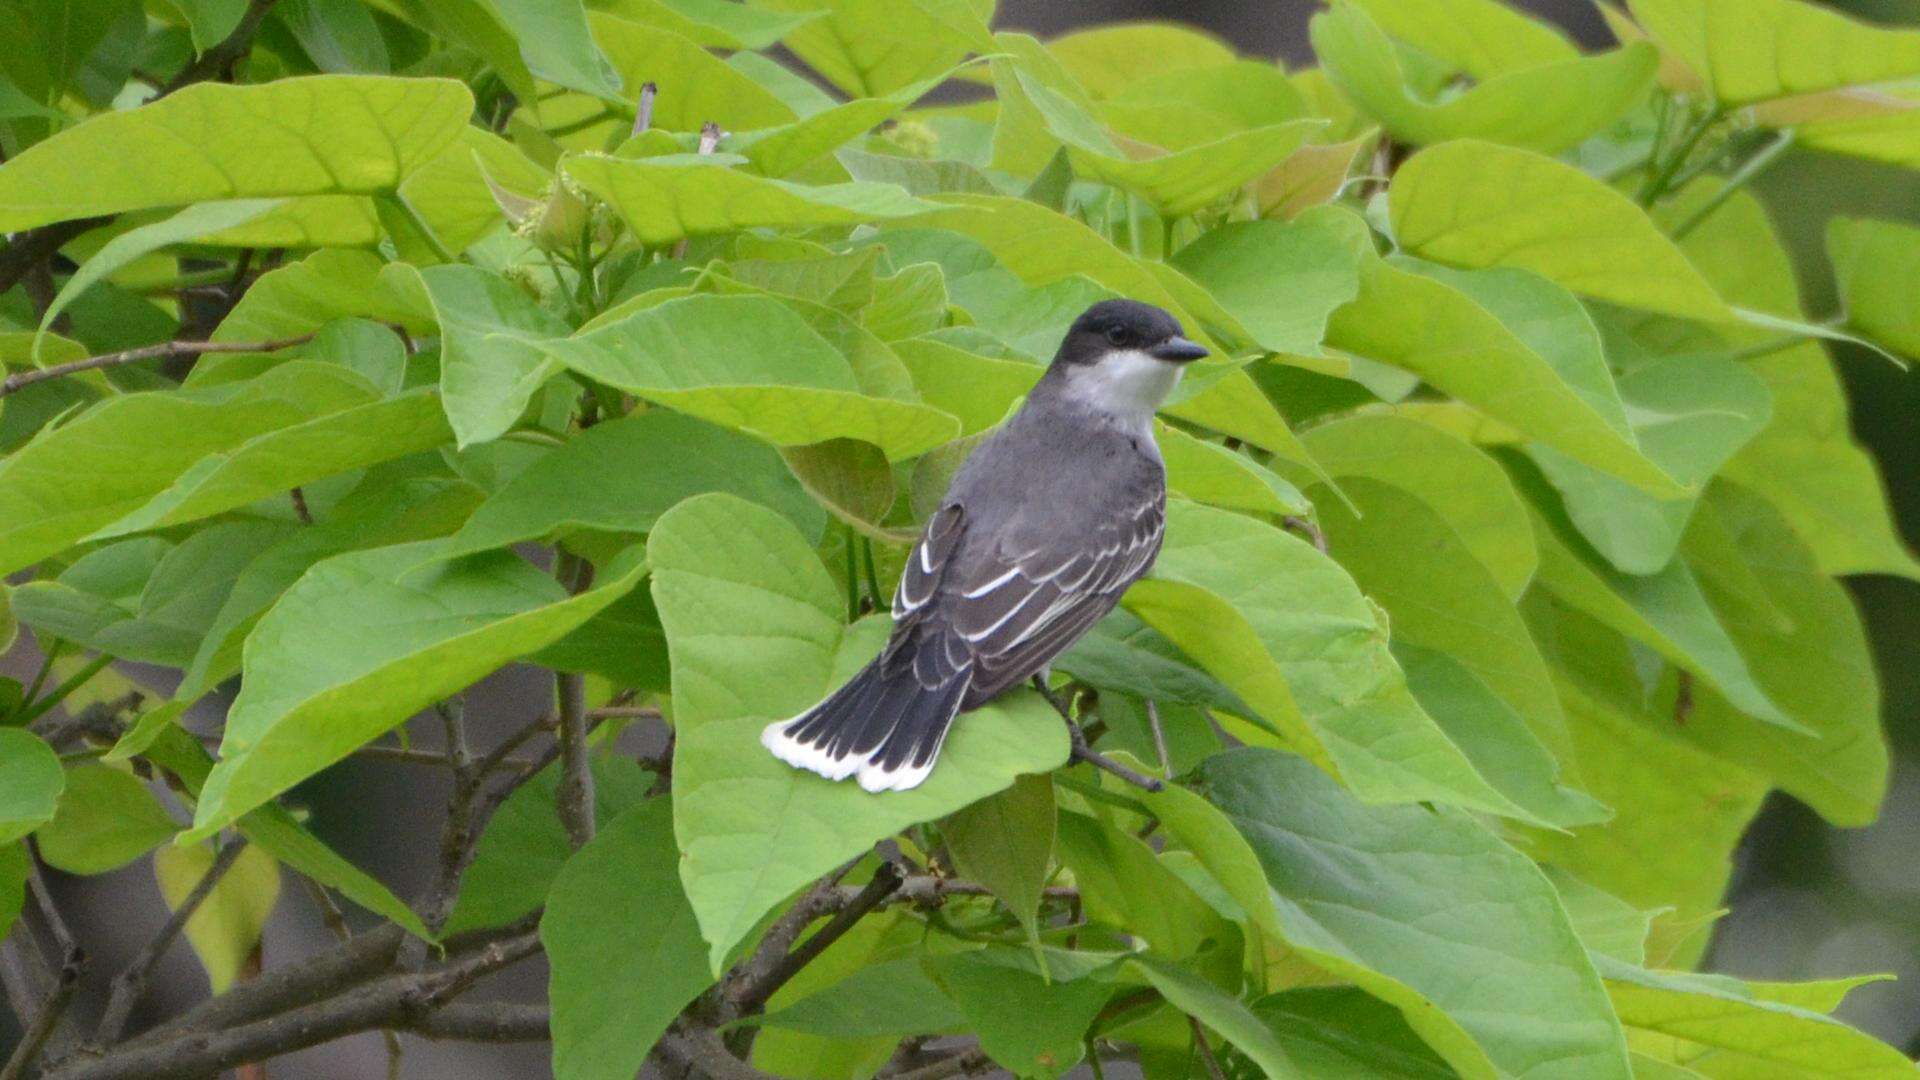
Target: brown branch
point(490, 1022)
point(964, 1063)
point(46, 1019)
point(281, 988)
point(220, 58)
point(1306, 529)
point(393, 1001)
point(1083, 752)
point(700, 1052)
point(164, 350)
point(1214, 1072)
point(574, 795)
point(751, 996)
point(131, 984)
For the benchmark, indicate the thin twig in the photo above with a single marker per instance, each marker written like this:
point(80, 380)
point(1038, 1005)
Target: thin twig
point(401, 1000)
point(1083, 752)
point(1306, 529)
point(709, 142)
point(219, 59)
point(643, 117)
point(964, 1063)
point(1159, 738)
point(575, 791)
point(751, 998)
point(164, 350)
point(131, 984)
point(46, 1019)
point(1214, 1072)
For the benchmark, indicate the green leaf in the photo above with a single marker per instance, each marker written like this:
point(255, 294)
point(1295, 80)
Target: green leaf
point(1815, 663)
point(890, 1000)
point(1340, 1033)
point(1666, 611)
point(1475, 204)
point(1485, 38)
point(620, 476)
point(891, 938)
point(1462, 343)
point(145, 599)
point(666, 198)
point(9, 623)
point(115, 458)
point(227, 925)
point(697, 86)
point(1125, 654)
point(554, 40)
point(452, 191)
point(279, 834)
point(15, 868)
point(107, 818)
point(732, 579)
point(525, 846)
point(1031, 1025)
point(615, 909)
point(190, 224)
point(1420, 900)
point(1753, 51)
point(1210, 473)
point(1124, 885)
point(426, 627)
point(1464, 486)
point(851, 479)
point(870, 47)
point(1005, 842)
point(1281, 280)
point(1177, 184)
point(1549, 108)
point(1440, 600)
point(1109, 59)
point(1691, 414)
point(917, 176)
point(489, 366)
point(351, 134)
point(1497, 738)
point(1678, 810)
point(1806, 460)
point(1607, 925)
point(1205, 1002)
point(1330, 644)
point(382, 511)
point(271, 463)
point(32, 783)
point(1721, 1031)
point(717, 23)
point(751, 364)
point(1875, 264)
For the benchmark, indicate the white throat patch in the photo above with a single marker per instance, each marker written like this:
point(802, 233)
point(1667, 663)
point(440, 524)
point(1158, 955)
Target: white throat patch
point(1128, 386)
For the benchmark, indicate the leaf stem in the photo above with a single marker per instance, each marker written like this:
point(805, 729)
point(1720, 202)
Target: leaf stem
point(164, 351)
point(873, 577)
point(1662, 178)
point(419, 223)
point(37, 709)
point(1751, 168)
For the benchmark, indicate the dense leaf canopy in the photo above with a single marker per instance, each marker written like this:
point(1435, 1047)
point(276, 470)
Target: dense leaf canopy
point(355, 352)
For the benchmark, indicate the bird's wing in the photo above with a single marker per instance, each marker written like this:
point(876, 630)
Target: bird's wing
point(1015, 610)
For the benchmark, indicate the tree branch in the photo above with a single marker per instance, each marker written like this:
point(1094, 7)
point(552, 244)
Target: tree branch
point(131, 984)
point(46, 1019)
point(575, 792)
point(220, 58)
point(164, 350)
point(1083, 752)
point(493, 1022)
point(751, 995)
point(397, 1001)
point(281, 988)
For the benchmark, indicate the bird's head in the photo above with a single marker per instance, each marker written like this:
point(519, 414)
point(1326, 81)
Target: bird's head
point(1123, 357)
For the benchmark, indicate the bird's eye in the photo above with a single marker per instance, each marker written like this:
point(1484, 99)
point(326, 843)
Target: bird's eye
point(1118, 336)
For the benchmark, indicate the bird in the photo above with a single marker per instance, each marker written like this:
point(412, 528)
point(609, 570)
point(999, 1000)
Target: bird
point(1048, 522)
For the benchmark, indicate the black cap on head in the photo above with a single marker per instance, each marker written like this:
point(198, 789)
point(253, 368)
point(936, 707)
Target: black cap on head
point(1114, 325)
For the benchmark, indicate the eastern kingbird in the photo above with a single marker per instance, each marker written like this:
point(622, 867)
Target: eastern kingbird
point(1040, 532)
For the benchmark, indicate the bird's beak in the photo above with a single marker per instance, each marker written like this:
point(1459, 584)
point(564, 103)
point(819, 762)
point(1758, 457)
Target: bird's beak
point(1177, 350)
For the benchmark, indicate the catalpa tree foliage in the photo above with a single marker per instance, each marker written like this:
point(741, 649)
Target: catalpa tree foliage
point(356, 351)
